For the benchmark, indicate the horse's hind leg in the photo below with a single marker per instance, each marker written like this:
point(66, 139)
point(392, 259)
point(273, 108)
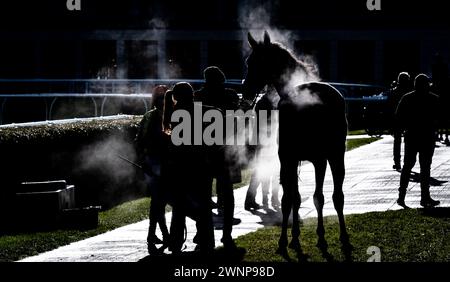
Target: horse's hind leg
point(320, 167)
point(338, 169)
point(289, 182)
point(296, 201)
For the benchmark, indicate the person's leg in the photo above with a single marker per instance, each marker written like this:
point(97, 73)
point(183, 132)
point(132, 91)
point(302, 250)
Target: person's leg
point(276, 186)
point(397, 149)
point(179, 213)
point(265, 186)
point(275, 199)
point(409, 162)
point(152, 239)
point(228, 213)
point(219, 193)
point(250, 202)
point(425, 159)
point(153, 220)
point(205, 227)
point(177, 230)
point(161, 217)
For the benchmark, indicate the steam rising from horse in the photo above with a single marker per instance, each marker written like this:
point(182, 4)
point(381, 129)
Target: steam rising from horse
point(312, 126)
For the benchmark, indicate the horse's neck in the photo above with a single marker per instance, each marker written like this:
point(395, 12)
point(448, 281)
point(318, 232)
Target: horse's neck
point(289, 80)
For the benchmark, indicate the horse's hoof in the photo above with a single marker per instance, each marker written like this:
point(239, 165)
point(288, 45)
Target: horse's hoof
point(346, 245)
point(322, 244)
point(283, 253)
point(294, 245)
point(302, 257)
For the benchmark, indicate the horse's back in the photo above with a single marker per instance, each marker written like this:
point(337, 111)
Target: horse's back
point(313, 121)
point(325, 94)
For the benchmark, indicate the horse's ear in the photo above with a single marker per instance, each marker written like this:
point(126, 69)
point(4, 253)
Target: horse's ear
point(266, 38)
point(251, 40)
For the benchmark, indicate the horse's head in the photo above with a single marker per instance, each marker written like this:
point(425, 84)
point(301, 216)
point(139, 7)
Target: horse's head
point(266, 65)
point(258, 74)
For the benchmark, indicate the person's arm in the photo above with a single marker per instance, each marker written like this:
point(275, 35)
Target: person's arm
point(140, 137)
point(400, 115)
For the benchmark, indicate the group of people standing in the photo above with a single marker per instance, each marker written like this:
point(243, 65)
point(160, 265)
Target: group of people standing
point(417, 115)
point(182, 176)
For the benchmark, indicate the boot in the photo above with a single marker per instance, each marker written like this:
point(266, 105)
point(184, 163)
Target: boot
point(153, 250)
point(251, 205)
point(155, 240)
point(401, 197)
point(426, 200)
point(275, 202)
point(429, 203)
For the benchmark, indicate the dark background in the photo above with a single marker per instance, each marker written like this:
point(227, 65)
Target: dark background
point(117, 39)
point(202, 14)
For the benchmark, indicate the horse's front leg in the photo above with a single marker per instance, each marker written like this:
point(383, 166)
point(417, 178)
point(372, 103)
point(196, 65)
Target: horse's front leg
point(286, 207)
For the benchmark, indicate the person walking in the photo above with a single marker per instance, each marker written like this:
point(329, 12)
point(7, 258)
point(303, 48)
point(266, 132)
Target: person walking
point(402, 87)
point(417, 114)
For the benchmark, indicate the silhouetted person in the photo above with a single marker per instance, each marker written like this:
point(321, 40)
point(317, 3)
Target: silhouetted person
point(266, 163)
point(417, 115)
point(215, 94)
point(190, 180)
point(152, 149)
point(402, 87)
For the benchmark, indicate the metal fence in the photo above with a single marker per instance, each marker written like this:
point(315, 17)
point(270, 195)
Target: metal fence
point(24, 100)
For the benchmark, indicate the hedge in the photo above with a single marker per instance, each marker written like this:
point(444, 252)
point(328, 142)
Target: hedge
point(55, 151)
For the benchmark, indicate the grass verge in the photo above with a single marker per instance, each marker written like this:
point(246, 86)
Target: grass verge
point(402, 236)
point(17, 246)
point(357, 132)
point(355, 143)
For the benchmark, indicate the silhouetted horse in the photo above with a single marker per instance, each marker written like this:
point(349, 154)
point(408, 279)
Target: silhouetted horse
point(312, 126)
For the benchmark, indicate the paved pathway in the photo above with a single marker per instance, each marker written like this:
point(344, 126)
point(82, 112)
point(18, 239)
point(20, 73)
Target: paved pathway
point(370, 185)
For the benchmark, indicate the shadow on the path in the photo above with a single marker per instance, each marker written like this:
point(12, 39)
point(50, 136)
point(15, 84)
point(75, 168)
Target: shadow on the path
point(415, 177)
point(273, 216)
point(218, 221)
point(269, 217)
point(219, 255)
